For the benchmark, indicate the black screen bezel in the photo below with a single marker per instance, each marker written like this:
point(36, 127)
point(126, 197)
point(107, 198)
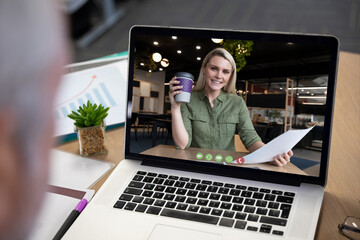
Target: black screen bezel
point(238, 172)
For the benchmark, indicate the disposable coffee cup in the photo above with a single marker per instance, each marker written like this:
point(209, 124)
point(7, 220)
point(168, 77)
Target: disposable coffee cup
point(186, 80)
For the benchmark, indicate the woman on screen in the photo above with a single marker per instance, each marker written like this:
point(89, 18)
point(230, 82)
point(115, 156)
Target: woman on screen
point(215, 113)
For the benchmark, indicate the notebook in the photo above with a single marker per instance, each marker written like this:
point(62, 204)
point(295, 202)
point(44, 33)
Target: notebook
point(207, 191)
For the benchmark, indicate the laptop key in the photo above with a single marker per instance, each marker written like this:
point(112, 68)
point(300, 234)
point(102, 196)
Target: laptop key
point(284, 199)
point(223, 190)
point(202, 202)
point(190, 185)
point(180, 199)
point(277, 192)
point(148, 179)
point(226, 198)
point(141, 173)
point(269, 197)
point(125, 197)
point(149, 186)
point(137, 199)
point(246, 194)
point(276, 232)
point(206, 182)
point(274, 221)
point(251, 228)
point(216, 212)
point(148, 201)
point(158, 180)
point(151, 174)
point(254, 189)
point(190, 216)
point(265, 228)
point(240, 224)
point(273, 205)
point(241, 216)
point(130, 206)
point(191, 200)
point(229, 185)
point(258, 195)
point(169, 197)
point(212, 189)
point(289, 194)
point(119, 204)
point(194, 180)
point(170, 189)
point(158, 195)
point(135, 184)
point(249, 201)
point(264, 190)
point(203, 195)
point(173, 177)
point(219, 184)
point(241, 187)
point(214, 196)
point(285, 210)
point(253, 218)
point(169, 182)
point(234, 192)
point(228, 214)
point(261, 211)
point(274, 213)
point(237, 207)
point(205, 210)
point(162, 176)
point(141, 208)
point(138, 178)
point(133, 191)
point(260, 203)
point(192, 193)
point(153, 210)
point(159, 203)
point(179, 184)
point(185, 179)
point(214, 204)
point(226, 222)
point(147, 193)
point(159, 188)
point(201, 187)
point(170, 204)
point(225, 205)
point(193, 208)
point(238, 200)
point(182, 206)
point(249, 209)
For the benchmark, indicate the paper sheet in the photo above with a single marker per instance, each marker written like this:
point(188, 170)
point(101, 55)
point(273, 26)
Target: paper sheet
point(54, 211)
point(281, 144)
point(106, 85)
point(73, 171)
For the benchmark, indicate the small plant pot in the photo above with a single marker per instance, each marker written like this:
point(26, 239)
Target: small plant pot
point(92, 140)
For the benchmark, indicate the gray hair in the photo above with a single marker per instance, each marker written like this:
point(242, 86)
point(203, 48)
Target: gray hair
point(32, 44)
point(221, 52)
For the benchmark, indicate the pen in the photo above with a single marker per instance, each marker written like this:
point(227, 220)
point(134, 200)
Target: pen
point(71, 219)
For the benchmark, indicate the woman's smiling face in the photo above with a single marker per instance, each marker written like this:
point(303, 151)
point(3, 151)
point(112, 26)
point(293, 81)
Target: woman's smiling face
point(217, 73)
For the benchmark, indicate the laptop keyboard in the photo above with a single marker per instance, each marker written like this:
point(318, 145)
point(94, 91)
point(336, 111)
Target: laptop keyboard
point(216, 203)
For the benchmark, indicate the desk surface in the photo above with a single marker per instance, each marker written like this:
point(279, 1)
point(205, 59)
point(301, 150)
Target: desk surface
point(190, 153)
point(342, 193)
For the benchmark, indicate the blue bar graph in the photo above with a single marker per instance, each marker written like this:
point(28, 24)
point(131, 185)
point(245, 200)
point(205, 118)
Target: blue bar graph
point(80, 101)
point(65, 111)
point(99, 97)
point(88, 96)
point(72, 106)
point(107, 94)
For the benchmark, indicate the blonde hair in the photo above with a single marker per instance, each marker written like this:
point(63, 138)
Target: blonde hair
point(221, 52)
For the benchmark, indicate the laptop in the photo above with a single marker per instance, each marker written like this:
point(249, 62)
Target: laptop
point(159, 191)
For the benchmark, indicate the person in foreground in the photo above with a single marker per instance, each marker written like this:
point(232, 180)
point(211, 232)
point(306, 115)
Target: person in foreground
point(32, 56)
point(215, 113)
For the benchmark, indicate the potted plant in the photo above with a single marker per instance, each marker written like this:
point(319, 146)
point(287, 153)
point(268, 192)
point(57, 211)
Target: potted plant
point(90, 127)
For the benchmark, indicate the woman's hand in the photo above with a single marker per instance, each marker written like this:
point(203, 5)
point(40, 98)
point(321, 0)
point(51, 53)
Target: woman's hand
point(283, 159)
point(174, 89)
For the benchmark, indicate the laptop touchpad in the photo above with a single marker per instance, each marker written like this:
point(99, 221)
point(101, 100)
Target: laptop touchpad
point(165, 232)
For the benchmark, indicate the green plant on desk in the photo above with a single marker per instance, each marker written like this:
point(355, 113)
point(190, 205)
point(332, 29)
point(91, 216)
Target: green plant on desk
point(90, 127)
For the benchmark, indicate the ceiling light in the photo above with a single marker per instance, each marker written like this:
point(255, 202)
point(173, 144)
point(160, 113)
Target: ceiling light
point(149, 70)
point(174, 37)
point(308, 88)
point(156, 57)
point(156, 43)
point(161, 69)
point(164, 62)
point(198, 58)
point(198, 47)
point(142, 64)
point(179, 51)
point(281, 88)
point(216, 40)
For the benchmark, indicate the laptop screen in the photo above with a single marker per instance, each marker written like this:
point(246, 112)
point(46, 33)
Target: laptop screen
point(253, 89)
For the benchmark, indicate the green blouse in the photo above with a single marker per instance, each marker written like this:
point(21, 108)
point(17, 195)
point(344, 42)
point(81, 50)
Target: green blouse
point(214, 128)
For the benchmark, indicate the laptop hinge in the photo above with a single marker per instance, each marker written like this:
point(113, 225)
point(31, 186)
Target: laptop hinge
point(219, 170)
